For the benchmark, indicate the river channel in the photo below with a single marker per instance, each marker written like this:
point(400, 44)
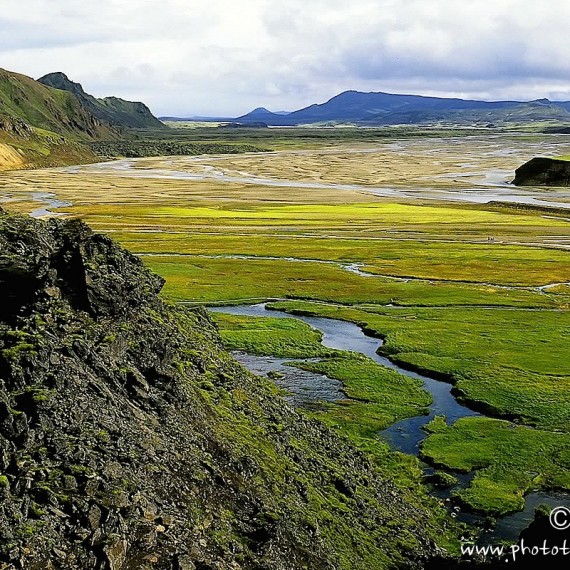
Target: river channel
point(308, 389)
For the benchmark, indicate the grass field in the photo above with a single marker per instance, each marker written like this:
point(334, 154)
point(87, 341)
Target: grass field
point(512, 362)
point(509, 460)
point(477, 294)
point(285, 338)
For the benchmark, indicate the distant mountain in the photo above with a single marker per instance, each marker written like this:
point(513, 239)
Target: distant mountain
point(380, 108)
point(257, 116)
point(261, 114)
point(532, 111)
point(117, 112)
point(362, 107)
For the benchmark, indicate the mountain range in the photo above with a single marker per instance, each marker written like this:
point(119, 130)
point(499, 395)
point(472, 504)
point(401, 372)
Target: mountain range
point(378, 108)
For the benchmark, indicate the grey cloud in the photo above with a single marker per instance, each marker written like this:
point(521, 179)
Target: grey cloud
point(225, 57)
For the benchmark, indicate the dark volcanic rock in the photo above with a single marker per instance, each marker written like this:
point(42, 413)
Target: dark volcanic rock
point(69, 262)
point(130, 439)
point(543, 172)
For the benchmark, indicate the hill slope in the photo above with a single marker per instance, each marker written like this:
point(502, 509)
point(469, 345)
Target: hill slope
point(115, 111)
point(50, 109)
point(130, 439)
point(41, 126)
point(10, 158)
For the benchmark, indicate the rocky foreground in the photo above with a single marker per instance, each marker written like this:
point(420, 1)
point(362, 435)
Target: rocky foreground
point(130, 439)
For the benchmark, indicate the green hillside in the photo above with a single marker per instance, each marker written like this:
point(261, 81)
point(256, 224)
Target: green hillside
point(41, 126)
point(113, 110)
point(50, 109)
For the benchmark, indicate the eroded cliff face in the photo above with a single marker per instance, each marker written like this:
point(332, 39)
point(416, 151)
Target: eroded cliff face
point(543, 172)
point(130, 439)
point(10, 158)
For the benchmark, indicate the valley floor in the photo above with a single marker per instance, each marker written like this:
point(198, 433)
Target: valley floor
point(419, 241)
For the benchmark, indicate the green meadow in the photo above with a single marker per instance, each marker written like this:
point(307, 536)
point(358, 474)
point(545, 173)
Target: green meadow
point(512, 363)
point(285, 338)
point(376, 396)
point(509, 460)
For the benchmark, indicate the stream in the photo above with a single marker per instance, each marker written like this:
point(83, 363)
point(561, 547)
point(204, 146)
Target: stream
point(49, 200)
point(308, 389)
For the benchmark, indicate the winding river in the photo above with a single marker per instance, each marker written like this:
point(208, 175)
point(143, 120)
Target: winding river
point(308, 389)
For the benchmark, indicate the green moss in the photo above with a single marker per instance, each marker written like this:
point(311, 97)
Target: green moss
point(27, 530)
point(36, 510)
point(40, 395)
point(14, 353)
point(509, 461)
point(267, 336)
point(443, 480)
point(103, 435)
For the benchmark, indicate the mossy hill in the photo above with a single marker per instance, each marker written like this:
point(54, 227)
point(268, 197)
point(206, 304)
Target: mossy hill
point(51, 121)
point(541, 171)
point(39, 106)
point(130, 439)
point(113, 110)
point(41, 126)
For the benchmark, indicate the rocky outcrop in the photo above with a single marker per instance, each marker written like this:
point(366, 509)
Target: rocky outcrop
point(15, 126)
point(543, 172)
point(130, 439)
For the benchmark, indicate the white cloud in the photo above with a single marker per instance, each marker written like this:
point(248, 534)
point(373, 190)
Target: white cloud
point(225, 57)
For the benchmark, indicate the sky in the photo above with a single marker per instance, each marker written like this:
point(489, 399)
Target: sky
point(226, 57)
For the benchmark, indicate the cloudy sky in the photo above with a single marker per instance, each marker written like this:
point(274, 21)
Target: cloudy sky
point(224, 57)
